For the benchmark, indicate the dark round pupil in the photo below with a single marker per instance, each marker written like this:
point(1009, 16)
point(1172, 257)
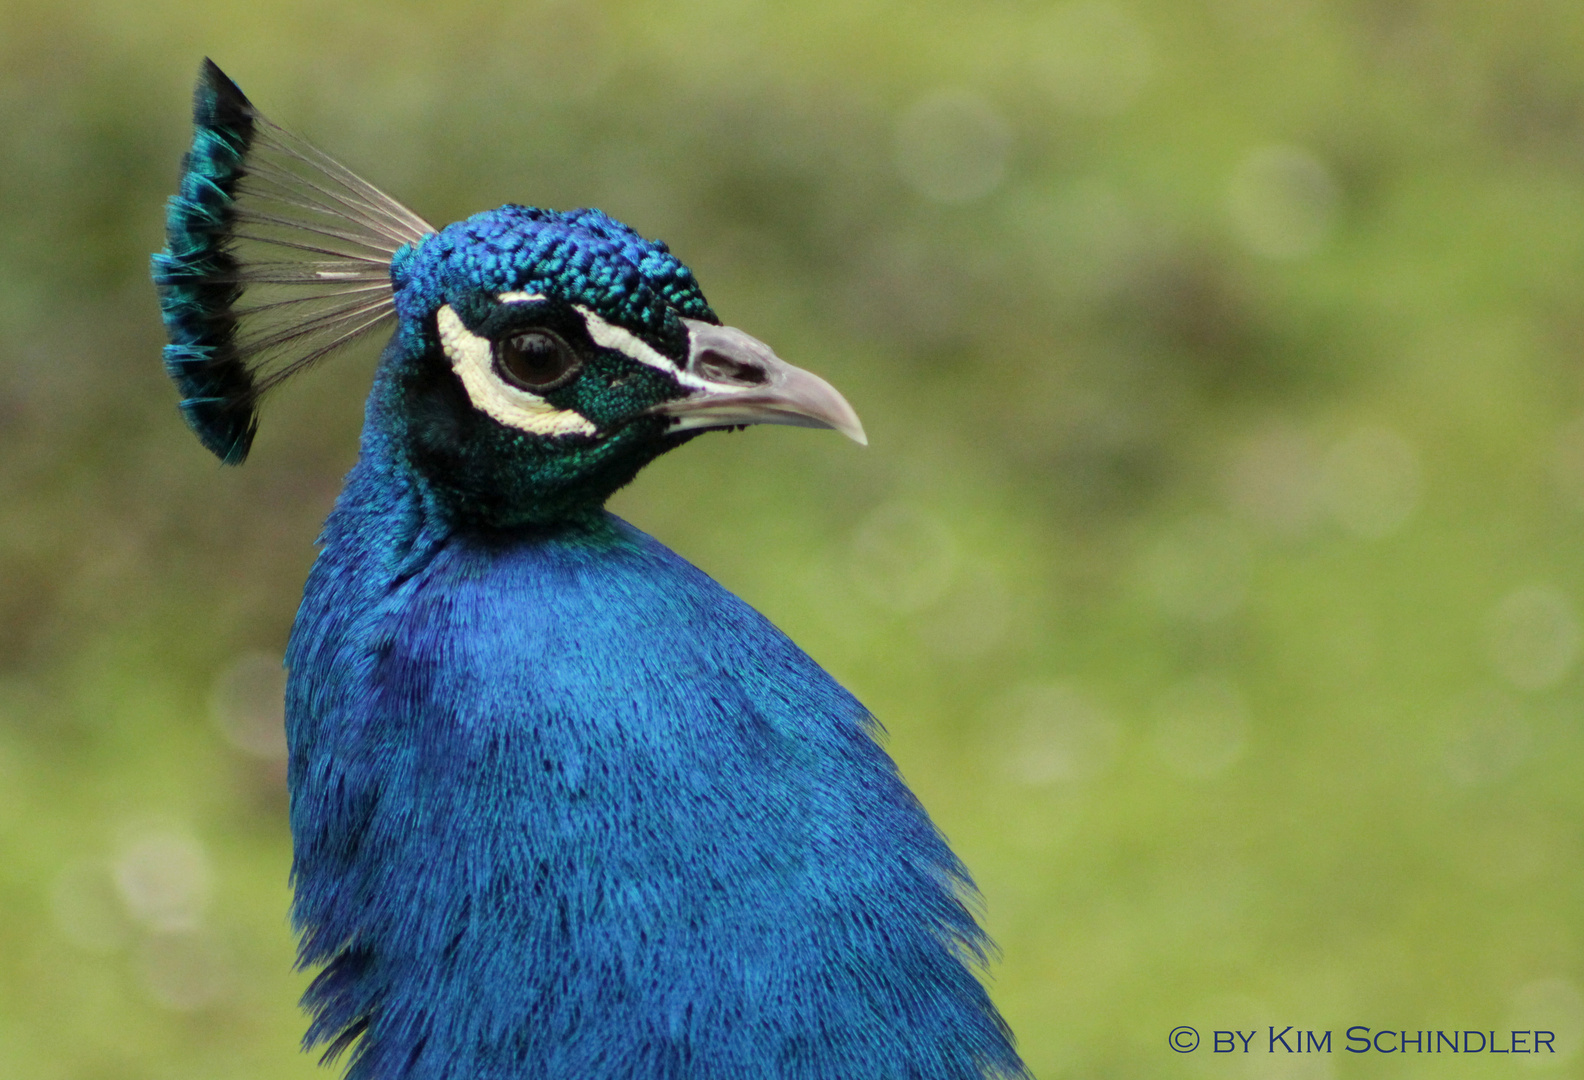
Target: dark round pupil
point(536, 360)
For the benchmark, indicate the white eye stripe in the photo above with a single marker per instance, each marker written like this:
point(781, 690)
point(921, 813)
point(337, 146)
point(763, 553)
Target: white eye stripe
point(610, 336)
point(472, 359)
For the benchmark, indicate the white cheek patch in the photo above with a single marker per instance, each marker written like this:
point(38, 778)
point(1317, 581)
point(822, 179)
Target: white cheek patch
point(471, 359)
point(609, 336)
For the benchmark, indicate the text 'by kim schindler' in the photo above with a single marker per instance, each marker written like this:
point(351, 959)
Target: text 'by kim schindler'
point(1364, 1040)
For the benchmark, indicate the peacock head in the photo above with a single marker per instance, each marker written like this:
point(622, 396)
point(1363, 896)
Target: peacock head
point(540, 359)
point(544, 357)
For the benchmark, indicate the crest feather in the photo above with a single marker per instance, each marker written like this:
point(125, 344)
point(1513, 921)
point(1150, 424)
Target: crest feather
point(276, 255)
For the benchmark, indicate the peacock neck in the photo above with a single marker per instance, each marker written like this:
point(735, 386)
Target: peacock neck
point(402, 799)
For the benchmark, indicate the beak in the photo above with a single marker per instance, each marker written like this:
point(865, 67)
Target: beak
point(745, 383)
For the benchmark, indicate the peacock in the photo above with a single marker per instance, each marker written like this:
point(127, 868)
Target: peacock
point(561, 806)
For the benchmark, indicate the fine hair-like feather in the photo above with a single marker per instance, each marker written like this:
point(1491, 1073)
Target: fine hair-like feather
point(276, 256)
point(582, 813)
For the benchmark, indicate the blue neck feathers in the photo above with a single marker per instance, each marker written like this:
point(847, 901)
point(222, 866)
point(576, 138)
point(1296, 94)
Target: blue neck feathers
point(564, 807)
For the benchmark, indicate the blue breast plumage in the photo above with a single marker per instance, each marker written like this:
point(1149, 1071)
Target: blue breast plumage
point(562, 807)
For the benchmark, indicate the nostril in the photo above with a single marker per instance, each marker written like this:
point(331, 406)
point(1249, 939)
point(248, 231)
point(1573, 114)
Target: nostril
point(719, 367)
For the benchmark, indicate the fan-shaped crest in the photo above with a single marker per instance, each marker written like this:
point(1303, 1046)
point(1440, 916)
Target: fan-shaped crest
point(276, 255)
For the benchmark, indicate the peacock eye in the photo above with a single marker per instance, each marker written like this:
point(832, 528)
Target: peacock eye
point(535, 360)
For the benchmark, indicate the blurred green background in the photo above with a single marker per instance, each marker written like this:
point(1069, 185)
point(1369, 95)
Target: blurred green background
point(1215, 564)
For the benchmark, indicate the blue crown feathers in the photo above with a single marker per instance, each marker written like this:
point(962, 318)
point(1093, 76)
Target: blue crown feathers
point(275, 256)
